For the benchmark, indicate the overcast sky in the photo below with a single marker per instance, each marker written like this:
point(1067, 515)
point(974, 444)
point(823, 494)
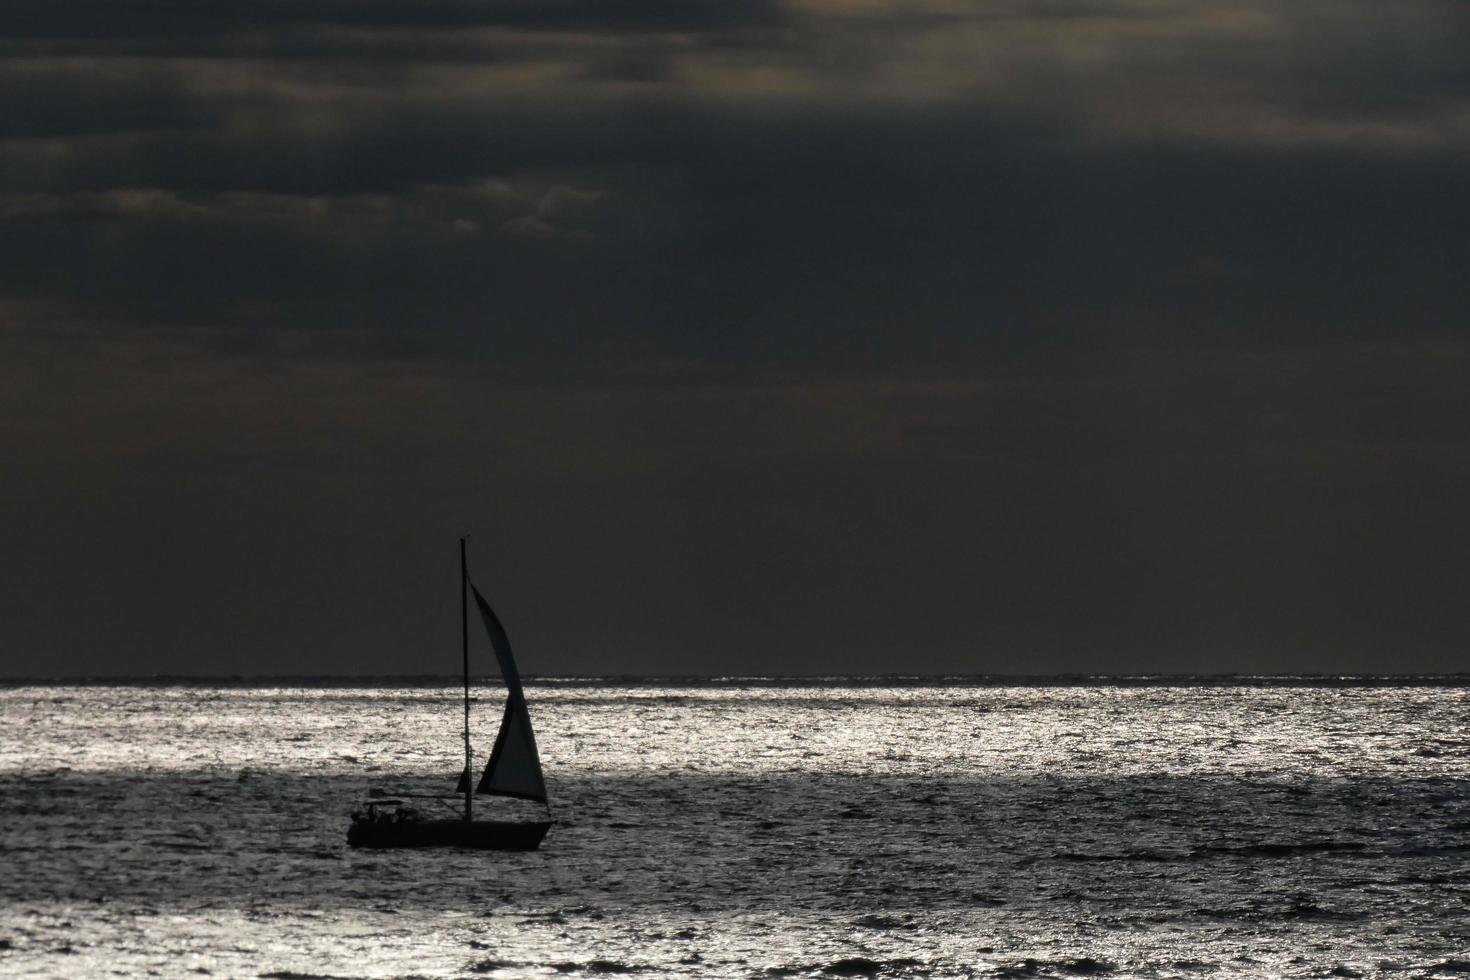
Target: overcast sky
point(744, 337)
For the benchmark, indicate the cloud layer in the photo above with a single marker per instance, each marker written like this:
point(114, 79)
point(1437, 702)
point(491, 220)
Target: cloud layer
point(1103, 334)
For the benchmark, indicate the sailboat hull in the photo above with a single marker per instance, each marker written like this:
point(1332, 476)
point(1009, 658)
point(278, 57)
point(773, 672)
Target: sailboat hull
point(481, 835)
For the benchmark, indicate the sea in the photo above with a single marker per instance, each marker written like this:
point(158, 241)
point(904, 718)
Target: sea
point(752, 828)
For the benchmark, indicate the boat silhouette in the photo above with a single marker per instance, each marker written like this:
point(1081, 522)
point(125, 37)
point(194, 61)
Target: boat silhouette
point(513, 770)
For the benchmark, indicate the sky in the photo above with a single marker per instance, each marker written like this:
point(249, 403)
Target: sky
point(827, 336)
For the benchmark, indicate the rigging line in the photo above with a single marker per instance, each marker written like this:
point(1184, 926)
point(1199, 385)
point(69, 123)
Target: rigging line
point(436, 628)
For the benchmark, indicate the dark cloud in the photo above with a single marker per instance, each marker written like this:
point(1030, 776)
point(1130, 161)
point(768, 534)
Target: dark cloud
point(1071, 336)
point(142, 19)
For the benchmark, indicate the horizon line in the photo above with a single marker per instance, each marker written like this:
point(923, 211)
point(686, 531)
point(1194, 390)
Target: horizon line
point(1067, 679)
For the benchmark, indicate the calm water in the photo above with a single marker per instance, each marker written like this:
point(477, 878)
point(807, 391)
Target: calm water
point(749, 832)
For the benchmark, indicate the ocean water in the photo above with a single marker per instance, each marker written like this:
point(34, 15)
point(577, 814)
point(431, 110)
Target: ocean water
point(748, 831)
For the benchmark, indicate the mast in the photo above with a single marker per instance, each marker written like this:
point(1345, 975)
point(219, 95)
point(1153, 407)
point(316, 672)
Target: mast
point(464, 643)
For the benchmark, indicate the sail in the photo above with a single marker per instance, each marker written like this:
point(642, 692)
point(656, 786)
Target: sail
point(514, 768)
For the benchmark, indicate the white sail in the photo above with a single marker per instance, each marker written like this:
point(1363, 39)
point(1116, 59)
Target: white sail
point(514, 768)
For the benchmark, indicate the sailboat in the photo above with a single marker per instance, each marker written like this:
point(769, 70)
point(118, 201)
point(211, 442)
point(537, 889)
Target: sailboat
point(514, 768)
